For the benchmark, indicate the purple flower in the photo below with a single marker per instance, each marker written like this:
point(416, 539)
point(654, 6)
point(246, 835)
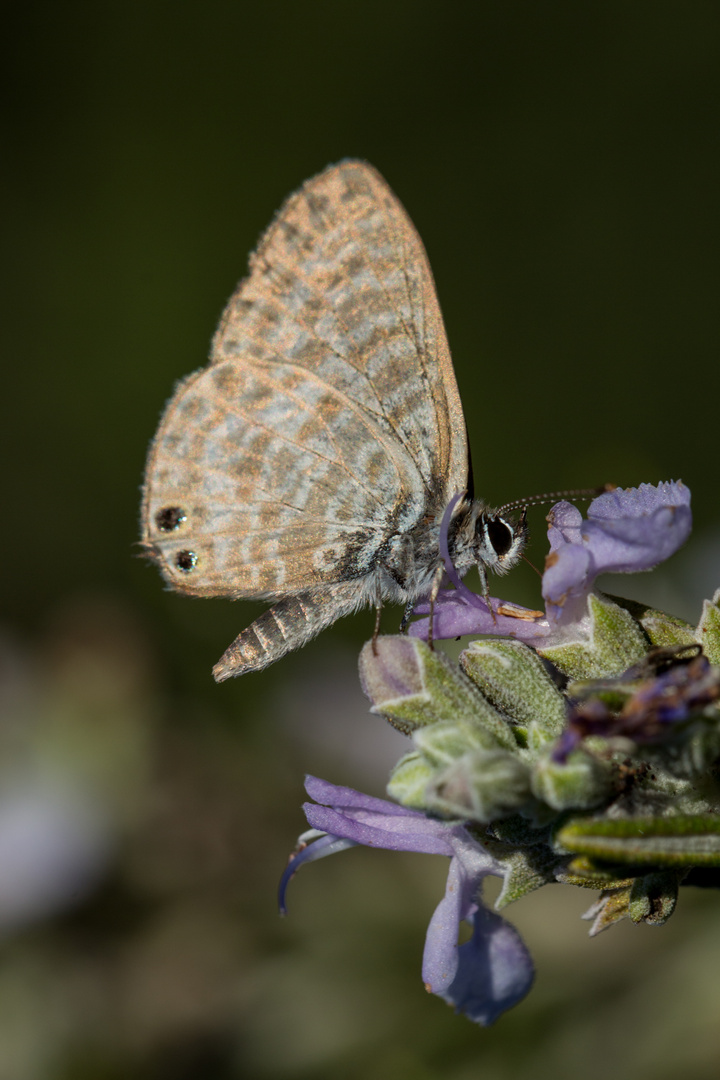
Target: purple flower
point(625, 531)
point(658, 708)
point(487, 974)
point(455, 616)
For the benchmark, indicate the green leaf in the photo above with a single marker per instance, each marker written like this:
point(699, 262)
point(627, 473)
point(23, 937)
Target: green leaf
point(708, 630)
point(525, 870)
point(611, 907)
point(653, 897)
point(662, 629)
point(679, 840)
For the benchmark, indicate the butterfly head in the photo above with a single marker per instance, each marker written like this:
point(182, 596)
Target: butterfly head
point(499, 541)
point(488, 538)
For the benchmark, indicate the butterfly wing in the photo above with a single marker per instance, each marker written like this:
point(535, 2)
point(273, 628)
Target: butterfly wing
point(329, 418)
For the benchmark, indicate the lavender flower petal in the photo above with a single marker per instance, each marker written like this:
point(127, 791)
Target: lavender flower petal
point(638, 528)
point(565, 525)
point(625, 531)
point(378, 823)
point(322, 791)
point(567, 580)
point(318, 849)
point(455, 617)
point(494, 970)
point(482, 977)
point(469, 865)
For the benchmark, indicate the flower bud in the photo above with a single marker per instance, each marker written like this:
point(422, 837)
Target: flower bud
point(444, 742)
point(480, 786)
point(579, 782)
point(513, 677)
point(409, 780)
point(413, 685)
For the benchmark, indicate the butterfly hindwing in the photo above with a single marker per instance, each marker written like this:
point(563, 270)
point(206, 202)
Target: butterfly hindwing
point(329, 418)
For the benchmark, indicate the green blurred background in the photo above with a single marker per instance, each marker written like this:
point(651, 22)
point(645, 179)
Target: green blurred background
point(562, 164)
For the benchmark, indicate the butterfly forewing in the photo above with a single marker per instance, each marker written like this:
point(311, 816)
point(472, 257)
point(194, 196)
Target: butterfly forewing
point(341, 285)
point(329, 418)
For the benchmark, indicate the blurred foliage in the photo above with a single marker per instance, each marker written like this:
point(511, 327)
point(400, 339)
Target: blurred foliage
point(561, 163)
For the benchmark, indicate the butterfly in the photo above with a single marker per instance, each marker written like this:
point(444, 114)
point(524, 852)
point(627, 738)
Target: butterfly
point(311, 462)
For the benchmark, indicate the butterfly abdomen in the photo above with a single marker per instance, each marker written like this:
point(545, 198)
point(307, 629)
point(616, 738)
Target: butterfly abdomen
point(286, 626)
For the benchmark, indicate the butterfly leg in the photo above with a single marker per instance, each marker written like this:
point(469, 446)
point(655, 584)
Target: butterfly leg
point(287, 625)
point(409, 608)
point(435, 589)
point(485, 590)
point(376, 631)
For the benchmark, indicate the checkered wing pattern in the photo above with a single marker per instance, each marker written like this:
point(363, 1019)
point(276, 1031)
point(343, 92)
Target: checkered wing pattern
point(328, 419)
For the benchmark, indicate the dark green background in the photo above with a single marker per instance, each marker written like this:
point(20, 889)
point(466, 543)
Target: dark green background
point(562, 164)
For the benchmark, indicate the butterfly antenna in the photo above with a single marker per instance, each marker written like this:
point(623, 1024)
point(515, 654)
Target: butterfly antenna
point(553, 496)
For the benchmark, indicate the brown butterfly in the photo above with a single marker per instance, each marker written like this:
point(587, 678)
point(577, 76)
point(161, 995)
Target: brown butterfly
point(311, 462)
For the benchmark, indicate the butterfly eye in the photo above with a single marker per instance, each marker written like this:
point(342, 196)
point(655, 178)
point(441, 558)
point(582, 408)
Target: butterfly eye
point(170, 518)
point(186, 561)
point(499, 534)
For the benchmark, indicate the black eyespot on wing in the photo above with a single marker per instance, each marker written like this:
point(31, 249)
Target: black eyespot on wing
point(500, 535)
point(186, 561)
point(169, 518)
